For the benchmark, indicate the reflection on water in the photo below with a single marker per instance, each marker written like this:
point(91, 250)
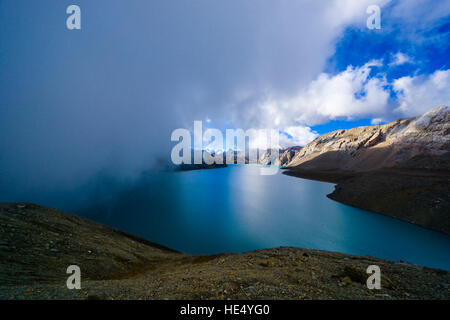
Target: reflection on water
point(235, 210)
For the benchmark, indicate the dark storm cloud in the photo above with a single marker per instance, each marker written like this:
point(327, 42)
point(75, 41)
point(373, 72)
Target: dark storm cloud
point(108, 96)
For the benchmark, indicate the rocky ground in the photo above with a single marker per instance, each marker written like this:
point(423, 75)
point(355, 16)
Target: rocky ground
point(400, 169)
point(419, 197)
point(417, 190)
point(373, 147)
point(37, 244)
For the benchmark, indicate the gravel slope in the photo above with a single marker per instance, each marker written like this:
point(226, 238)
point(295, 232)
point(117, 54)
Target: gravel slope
point(37, 244)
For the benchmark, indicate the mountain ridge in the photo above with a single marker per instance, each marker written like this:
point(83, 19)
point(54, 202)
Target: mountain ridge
point(373, 147)
point(399, 169)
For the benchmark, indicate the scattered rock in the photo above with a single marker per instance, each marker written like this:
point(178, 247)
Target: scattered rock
point(127, 267)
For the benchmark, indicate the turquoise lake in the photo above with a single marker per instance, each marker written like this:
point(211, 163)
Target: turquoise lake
point(235, 209)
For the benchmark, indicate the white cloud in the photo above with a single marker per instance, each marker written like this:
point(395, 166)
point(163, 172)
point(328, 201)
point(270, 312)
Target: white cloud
point(399, 59)
point(281, 46)
point(420, 12)
point(418, 94)
point(301, 136)
point(342, 12)
point(349, 94)
point(280, 85)
point(376, 121)
point(352, 94)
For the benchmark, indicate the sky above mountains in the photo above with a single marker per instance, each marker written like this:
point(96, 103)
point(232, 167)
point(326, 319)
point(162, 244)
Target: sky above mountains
point(74, 102)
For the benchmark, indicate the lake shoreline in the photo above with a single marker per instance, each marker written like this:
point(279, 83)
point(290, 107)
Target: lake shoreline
point(417, 196)
point(39, 243)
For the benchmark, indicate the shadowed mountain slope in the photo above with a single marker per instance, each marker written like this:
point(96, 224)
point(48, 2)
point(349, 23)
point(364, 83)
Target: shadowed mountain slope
point(400, 169)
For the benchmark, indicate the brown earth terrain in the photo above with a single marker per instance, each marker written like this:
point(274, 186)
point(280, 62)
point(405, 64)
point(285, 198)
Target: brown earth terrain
point(38, 244)
point(400, 169)
point(373, 147)
point(417, 191)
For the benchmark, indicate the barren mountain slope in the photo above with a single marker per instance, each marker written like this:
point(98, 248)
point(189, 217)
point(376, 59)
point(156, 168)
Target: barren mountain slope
point(39, 243)
point(373, 147)
point(284, 156)
point(400, 169)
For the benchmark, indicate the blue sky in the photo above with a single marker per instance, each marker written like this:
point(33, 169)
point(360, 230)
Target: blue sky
point(74, 102)
point(425, 48)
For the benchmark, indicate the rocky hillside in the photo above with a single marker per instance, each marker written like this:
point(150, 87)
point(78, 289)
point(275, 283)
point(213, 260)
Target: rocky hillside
point(285, 156)
point(37, 244)
point(373, 147)
point(420, 196)
point(400, 169)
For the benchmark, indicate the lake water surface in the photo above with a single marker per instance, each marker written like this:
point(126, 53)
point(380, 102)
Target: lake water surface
point(235, 209)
